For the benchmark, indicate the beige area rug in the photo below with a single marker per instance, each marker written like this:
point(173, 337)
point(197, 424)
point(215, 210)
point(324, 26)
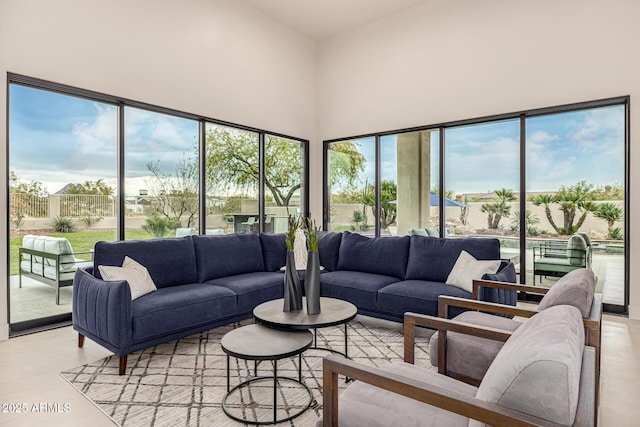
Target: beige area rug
point(182, 383)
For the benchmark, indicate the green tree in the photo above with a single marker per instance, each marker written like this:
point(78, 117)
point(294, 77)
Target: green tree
point(611, 213)
point(546, 200)
point(573, 200)
point(24, 199)
point(345, 164)
point(232, 163)
point(175, 196)
point(90, 187)
point(499, 208)
point(388, 194)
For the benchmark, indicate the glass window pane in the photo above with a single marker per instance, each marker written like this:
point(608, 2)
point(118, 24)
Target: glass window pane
point(351, 180)
point(408, 171)
point(232, 180)
point(63, 163)
point(482, 181)
point(284, 164)
point(575, 184)
point(161, 175)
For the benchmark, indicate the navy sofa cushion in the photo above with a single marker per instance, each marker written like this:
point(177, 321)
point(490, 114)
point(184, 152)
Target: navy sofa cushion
point(432, 258)
point(177, 308)
point(274, 250)
point(417, 296)
point(170, 261)
point(328, 250)
point(383, 255)
point(253, 288)
point(356, 287)
point(228, 255)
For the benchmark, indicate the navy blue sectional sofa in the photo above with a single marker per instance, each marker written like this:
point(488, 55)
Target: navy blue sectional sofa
point(208, 281)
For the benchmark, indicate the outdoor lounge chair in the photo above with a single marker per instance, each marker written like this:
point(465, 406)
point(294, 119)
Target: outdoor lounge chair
point(557, 258)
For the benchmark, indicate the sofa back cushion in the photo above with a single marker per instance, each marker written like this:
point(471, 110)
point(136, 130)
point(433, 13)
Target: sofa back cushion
point(537, 371)
point(51, 245)
point(228, 255)
point(170, 261)
point(575, 288)
point(432, 258)
point(329, 249)
point(274, 250)
point(382, 255)
point(576, 250)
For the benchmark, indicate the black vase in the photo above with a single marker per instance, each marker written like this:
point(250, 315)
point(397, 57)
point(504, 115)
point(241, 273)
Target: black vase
point(292, 287)
point(312, 283)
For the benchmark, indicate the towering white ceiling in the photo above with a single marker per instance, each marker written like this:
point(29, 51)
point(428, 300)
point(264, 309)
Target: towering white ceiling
point(318, 19)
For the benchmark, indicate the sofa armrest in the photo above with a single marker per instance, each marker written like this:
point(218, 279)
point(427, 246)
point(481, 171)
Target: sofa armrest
point(102, 309)
point(421, 391)
point(411, 320)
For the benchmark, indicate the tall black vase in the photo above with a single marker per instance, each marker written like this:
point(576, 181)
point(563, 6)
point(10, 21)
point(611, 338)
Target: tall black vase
point(292, 287)
point(312, 283)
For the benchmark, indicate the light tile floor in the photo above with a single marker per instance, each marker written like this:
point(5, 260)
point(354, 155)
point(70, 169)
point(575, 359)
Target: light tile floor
point(29, 367)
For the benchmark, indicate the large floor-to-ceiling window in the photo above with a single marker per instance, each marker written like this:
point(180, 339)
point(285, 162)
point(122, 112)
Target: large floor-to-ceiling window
point(85, 167)
point(575, 180)
point(547, 178)
point(482, 182)
point(161, 184)
point(62, 182)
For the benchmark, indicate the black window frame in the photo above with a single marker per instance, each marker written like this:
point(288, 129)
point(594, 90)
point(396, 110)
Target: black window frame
point(28, 326)
point(518, 115)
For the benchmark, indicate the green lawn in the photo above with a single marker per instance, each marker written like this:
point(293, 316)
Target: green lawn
point(80, 242)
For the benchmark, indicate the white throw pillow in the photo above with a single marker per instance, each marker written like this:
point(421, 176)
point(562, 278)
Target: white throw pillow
point(136, 274)
point(467, 268)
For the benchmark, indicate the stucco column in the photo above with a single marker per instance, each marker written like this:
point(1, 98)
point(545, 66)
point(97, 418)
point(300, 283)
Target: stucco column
point(414, 180)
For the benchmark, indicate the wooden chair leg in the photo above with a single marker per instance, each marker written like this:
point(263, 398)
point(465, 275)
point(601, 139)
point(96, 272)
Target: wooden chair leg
point(80, 340)
point(123, 365)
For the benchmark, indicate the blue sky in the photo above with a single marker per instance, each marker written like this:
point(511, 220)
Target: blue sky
point(57, 139)
point(562, 149)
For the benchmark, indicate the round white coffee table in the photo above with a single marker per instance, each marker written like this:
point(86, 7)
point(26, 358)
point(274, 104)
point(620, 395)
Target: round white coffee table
point(258, 343)
point(334, 312)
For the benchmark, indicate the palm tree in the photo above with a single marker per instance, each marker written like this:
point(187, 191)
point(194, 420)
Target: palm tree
point(610, 213)
point(546, 200)
point(498, 209)
point(490, 210)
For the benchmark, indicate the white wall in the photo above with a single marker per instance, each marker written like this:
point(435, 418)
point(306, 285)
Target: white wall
point(445, 60)
point(218, 58)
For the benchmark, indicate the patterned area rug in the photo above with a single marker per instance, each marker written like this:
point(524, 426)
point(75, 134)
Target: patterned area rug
point(182, 383)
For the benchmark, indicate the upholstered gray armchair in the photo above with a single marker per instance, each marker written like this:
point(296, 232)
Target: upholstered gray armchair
point(543, 375)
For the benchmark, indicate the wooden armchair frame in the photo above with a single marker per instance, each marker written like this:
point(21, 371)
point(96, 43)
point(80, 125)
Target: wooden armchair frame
point(592, 324)
point(439, 397)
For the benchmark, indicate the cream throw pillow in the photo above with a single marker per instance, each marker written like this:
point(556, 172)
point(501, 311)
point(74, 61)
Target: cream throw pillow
point(136, 274)
point(468, 268)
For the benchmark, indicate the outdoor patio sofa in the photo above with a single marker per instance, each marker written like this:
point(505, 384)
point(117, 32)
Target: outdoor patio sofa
point(49, 260)
point(208, 281)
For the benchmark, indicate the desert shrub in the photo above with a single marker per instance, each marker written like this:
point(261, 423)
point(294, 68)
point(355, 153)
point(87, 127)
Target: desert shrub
point(61, 224)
